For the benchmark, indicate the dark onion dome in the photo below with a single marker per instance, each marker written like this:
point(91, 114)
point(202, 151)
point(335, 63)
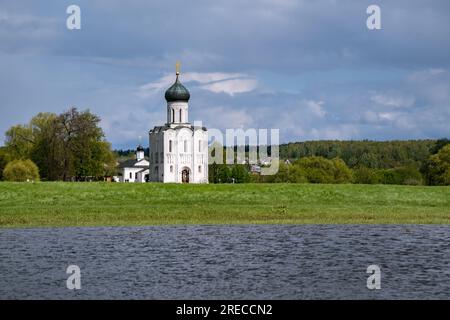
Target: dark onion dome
point(140, 148)
point(177, 92)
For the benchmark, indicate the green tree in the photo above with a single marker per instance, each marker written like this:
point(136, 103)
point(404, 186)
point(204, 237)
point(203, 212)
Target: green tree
point(342, 173)
point(65, 147)
point(3, 161)
point(19, 141)
point(364, 175)
point(321, 170)
point(213, 173)
point(288, 173)
point(47, 147)
point(240, 174)
point(21, 170)
point(438, 171)
point(440, 143)
point(223, 173)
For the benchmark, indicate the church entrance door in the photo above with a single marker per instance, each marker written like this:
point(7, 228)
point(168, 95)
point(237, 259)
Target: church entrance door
point(185, 176)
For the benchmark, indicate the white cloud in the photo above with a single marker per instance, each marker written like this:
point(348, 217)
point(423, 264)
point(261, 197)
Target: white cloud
point(232, 87)
point(152, 88)
point(217, 82)
point(205, 77)
point(226, 117)
point(424, 75)
point(315, 107)
point(396, 101)
point(389, 116)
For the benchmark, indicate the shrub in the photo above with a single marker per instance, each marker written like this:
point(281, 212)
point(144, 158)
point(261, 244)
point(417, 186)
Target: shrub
point(321, 170)
point(20, 171)
point(240, 174)
point(364, 175)
point(287, 174)
point(403, 175)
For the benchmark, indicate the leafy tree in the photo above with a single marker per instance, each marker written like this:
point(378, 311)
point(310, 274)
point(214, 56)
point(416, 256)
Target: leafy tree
point(321, 170)
point(240, 174)
point(65, 147)
point(47, 147)
point(223, 173)
point(3, 161)
point(213, 173)
point(440, 143)
point(19, 141)
point(438, 172)
point(287, 173)
point(364, 175)
point(21, 170)
point(342, 173)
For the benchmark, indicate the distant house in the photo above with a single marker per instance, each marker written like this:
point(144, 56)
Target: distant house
point(265, 161)
point(135, 170)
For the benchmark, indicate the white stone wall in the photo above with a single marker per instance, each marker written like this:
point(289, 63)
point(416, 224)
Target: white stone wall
point(129, 175)
point(157, 157)
point(180, 150)
point(200, 156)
point(173, 112)
point(142, 174)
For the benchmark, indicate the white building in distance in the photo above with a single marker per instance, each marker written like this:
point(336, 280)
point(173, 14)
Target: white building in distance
point(178, 150)
point(135, 170)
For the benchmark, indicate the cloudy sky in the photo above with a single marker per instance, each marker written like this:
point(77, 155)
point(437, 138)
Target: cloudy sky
point(308, 67)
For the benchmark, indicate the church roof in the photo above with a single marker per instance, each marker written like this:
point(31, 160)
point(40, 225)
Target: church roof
point(177, 92)
point(157, 129)
point(132, 163)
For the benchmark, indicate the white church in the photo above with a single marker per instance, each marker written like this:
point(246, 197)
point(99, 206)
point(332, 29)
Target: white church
point(135, 170)
point(178, 149)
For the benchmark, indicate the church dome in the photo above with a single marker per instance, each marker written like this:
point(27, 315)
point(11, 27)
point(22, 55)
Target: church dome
point(177, 92)
point(140, 148)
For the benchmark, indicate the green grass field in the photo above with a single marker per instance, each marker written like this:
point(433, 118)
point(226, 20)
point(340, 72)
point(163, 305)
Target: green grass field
point(114, 204)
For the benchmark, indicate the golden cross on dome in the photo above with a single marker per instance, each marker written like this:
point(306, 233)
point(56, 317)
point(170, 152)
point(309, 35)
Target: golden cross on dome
point(177, 67)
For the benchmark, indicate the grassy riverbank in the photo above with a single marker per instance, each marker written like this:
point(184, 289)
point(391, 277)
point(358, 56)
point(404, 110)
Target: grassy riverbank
point(114, 204)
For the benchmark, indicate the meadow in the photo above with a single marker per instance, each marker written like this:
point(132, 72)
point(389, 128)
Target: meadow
point(58, 204)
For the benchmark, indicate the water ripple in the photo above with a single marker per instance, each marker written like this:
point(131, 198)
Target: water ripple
point(227, 262)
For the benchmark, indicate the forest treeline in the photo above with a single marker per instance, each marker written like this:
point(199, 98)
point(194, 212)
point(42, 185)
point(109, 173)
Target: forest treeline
point(411, 162)
point(369, 154)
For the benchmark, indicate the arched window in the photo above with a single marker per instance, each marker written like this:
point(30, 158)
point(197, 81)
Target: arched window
point(185, 145)
point(181, 112)
point(199, 169)
point(171, 169)
point(173, 115)
point(199, 145)
point(170, 145)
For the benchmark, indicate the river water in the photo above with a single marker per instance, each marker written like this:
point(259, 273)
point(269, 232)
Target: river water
point(227, 262)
